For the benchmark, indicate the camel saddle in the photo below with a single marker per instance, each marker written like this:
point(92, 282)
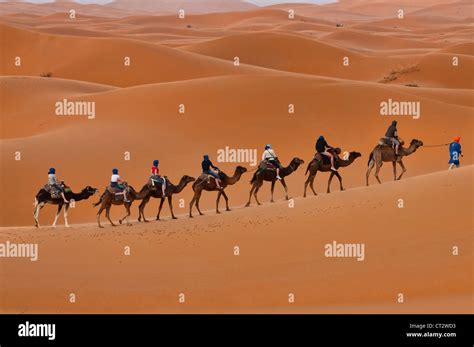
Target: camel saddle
point(208, 178)
point(266, 165)
point(54, 191)
point(117, 192)
point(385, 141)
point(155, 181)
point(325, 159)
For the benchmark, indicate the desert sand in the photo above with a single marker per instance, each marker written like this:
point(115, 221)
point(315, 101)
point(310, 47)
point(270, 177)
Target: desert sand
point(283, 61)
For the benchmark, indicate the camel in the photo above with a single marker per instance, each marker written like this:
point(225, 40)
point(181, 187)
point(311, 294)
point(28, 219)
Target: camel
point(203, 183)
point(43, 197)
point(108, 199)
point(317, 165)
point(270, 175)
point(156, 193)
point(386, 153)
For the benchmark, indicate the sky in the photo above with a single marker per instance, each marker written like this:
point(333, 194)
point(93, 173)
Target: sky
point(256, 2)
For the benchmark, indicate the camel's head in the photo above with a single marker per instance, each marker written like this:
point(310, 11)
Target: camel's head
point(188, 179)
point(240, 169)
point(355, 155)
point(296, 162)
point(90, 190)
point(416, 143)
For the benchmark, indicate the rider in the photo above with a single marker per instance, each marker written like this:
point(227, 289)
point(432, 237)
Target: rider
point(155, 176)
point(322, 147)
point(270, 156)
point(117, 182)
point(55, 184)
point(392, 136)
point(206, 169)
point(454, 152)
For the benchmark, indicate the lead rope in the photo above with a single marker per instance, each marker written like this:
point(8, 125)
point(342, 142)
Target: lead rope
point(444, 144)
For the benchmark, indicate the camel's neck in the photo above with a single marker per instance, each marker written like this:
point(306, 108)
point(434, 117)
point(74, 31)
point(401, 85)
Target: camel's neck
point(177, 189)
point(286, 171)
point(235, 178)
point(409, 150)
point(344, 163)
point(79, 196)
point(141, 194)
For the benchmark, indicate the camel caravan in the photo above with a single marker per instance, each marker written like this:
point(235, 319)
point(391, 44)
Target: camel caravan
point(390, 148)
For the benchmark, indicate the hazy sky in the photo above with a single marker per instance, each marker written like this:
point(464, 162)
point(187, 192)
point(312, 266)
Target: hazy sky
point(256, 2)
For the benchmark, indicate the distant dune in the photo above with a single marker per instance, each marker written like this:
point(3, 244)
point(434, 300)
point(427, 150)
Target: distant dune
point(170, 88)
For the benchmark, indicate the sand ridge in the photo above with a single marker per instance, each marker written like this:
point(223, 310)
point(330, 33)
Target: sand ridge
point(236, 71)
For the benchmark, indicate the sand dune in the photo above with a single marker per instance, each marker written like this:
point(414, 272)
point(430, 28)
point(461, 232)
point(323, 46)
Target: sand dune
point(459, 9)
point(351, 38)
point(283, 62)
point(164, 6)
point(65, 57)
point(26, 9)
point(231, 100)
point(292, 53)
point(437, 70)
point(277, 245)
point(42, 93)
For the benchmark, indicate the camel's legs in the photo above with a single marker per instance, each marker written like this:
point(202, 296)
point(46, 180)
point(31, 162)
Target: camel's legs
point(377, 170)
point(311, 184)
point(170, 203)
point(369, 169)
point(250, 195)
point(309, 181)
point(107, 214)
point(271, 190)
point(66, 209)
point(98, 216)
point(191, 205)
point(141, 210)
point(258, 184)
point(394, 164)
point(329, 181)
point(197, 203)
point(226, 201)
point(127, 209)
point(339, 178)
point(217, 200)
point(403, 169)
point(159, 209)
point(284, 186)
point(338, 175)
point(306, 185)
point(38, 207)
point(60, 206)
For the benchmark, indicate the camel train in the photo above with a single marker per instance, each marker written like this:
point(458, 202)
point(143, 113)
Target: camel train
point(213, 179)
